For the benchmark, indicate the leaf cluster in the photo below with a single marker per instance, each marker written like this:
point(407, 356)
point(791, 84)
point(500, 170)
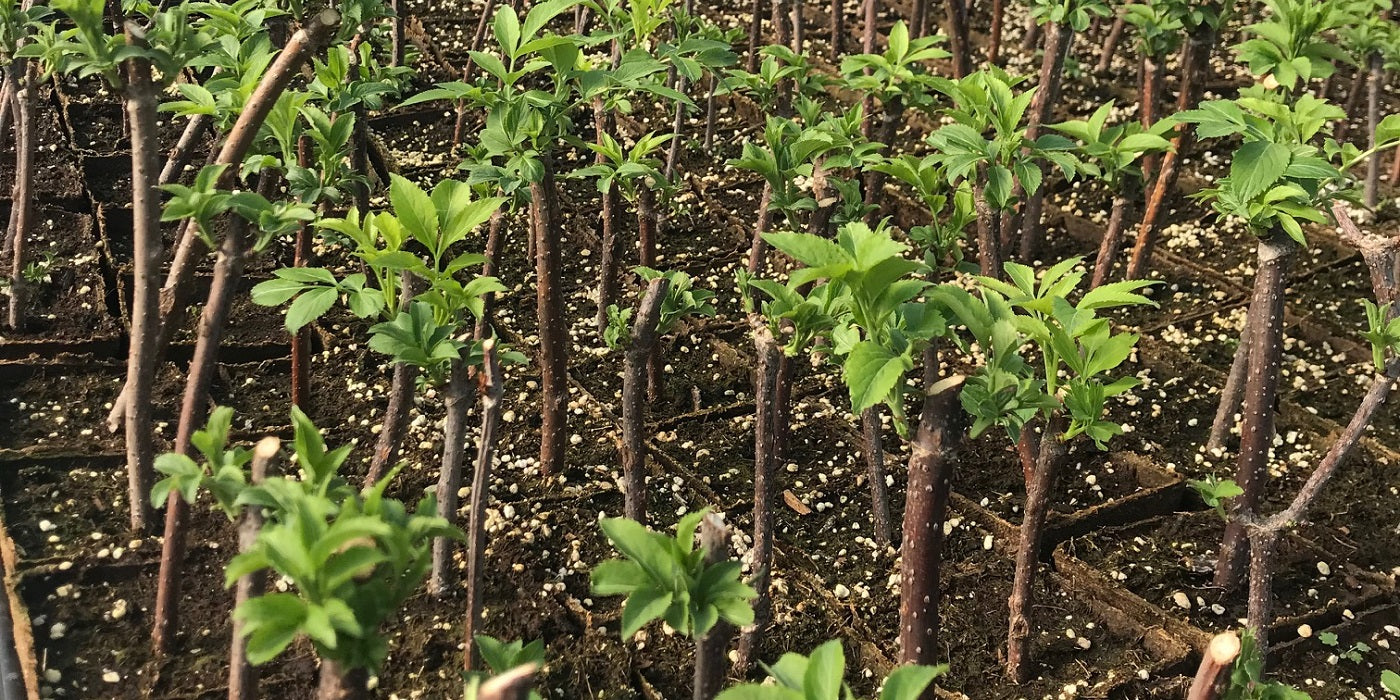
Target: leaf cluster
point(667, 577)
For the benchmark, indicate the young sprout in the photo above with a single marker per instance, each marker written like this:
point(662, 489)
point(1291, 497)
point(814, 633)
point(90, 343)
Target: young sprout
point(821, 677)
point(667, 578)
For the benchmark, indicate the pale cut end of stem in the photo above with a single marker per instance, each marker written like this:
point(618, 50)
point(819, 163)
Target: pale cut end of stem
point(514, 684)
point(267, 447)
point(1224, 648)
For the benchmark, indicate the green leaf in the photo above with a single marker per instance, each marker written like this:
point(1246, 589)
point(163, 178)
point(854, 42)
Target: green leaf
point(909, 682)
point(642, 607)
point(414, 209)
point(871, 373)
point(1257, 166)
point(1390, 680)
point(310, 306)
point(825, 667)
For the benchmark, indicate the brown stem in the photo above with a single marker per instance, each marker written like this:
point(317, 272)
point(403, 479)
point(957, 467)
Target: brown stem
point(553, 325)
point(838, 28)
point(228, 269)
point(243, 676)
point(1112, 240)
point(646, 225)
point(755, 34)
point(493, 255)
point(713, 647)
point(301, 341)
point(1260, 395)
point(478, 37)
point(396, 33)
point(1231, 396)
point(1358, 87)
point(639, 349)
point(179, 281)
point(1373, 120)
point(1263, 544)
point(710, 114)
point(7, 112)
point(1152, 72)
point(140, 100)
point(1213, 672)
point(492, 387)
point(401, 389)
point(873, 446)
point(26, 74)
point(1058, 38)
point(780, 20)
point(765, 376)
point(340, 683)
point(870, 29)
point(988, 227)
point(677, 131)
point(958, 41)
point(932, 457)
point(183, 150)
point(874, 179)
point(1110, 45)
point(1195, 68)
point(1018, 646)
point(758, 249)
point(1032, 34)
point(454, 449)
point(994, 40)
point(782, 407)
point(1395, 169)
point(799, 26)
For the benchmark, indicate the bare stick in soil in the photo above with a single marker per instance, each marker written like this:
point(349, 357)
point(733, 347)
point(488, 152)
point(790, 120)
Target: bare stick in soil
point(712, 650)
point(1231, 396)
point(553, 325)
point(488, 269)
point(492, 387)
point(1195, 69)
point(140, 102)
point(301, 340)
point(634, 381)
point(1358, 86)
point(755, 35)
point(1018, 642)
point(401, 388)
point(179, 281)
point(958, 42)
point(873, 444)
point(1373, 120)
point(454, 437)
point(758, 249)
point(1380, 256)
point(514, 684)
point(1112, 240)
point(22, 198)
point(875, 179)
point(1058, 38)
point(339, 683)
point(1260, 394)
point(1110, 45)
point(1032, 35)
point(228, 268)
point(932, 457)
point(243, 676)
point(1151, 74)
point(838, 29)
point(1215, 667)
point(765, 375)
point(183, 150)
point(988, 227)
point(994, 33)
